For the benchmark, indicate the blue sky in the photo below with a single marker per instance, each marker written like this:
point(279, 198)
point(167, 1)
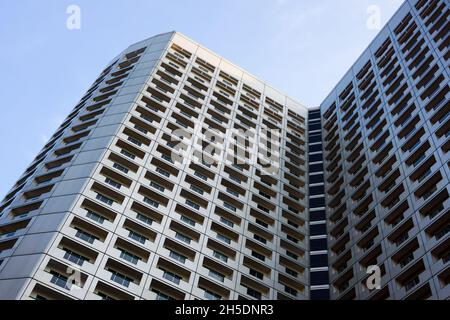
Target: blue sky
point(302, 47)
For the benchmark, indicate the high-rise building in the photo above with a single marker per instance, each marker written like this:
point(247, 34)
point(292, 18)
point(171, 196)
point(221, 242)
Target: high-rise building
point(181, 176)
point(386, 140)
point(178, 175)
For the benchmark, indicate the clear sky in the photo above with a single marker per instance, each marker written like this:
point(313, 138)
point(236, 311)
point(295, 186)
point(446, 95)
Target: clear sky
point(301, 47)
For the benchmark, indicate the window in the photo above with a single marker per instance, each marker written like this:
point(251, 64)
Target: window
point(128, 154)
point(216, 275)
point(256, 274)
point(313, 127)
point(196, 189)
point(138, 237)
point(291, 238)
point(161, 296)
point(95, 217)
point(232, 192)
point(293, 224)
point(223, 238)
point(183, 238)
point(317, 190)
point(290, 290)
point(129, 257)
point(212, 296)
point(317, 202)
point(120, 278)
point(319, 260)
point(113, 183)
point(74, 257)
point(187, 220)
point(227, 222)
point(104, 296)
point(163, 172)
point(220, 256)
point(171, 277)
point(157, 186)
point(424, 175)
point(151, 202)
point(258, 256)
point(229, 206)
point(139, 128)
point(406, 260)
point(192, 204)
point(235, 179)
point(315, 147)
point(120, 168)
point(291, 272)
point(315, 138)
point(134, 141)
point(419, 160)
point(442, 233)
point(259, 238)
point(253, 293)
point(206, 164)
point(316, 178)
point(315, 157)
point(292, 255)
point(317, 215)
point(60, 280)
point(167, 158)
point(201, 176)
point(104, 199)
point(316, 167)
point(85, 236)
point(411, 284)
point(261, 223)
point(177, 257)
point(318, 244)
point(144, 219)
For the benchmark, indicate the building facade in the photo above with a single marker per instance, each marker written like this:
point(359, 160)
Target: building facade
point(179, 175)
point(386, 142)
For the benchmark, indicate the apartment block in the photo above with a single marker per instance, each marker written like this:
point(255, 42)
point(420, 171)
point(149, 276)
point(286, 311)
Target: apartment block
point(179, 175)
point(386, 131)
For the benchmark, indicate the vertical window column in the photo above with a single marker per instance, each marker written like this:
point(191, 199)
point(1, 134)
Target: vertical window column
point(319, 279)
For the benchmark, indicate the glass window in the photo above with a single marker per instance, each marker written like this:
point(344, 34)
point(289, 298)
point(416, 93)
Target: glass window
point(315, 126)
point(316, 167)
point(187, 220)
point(320, 260)
point(178, 257)
point(317, 202)
point(317, 229)
point(316, 178)
point(315, 138)
point(220, 256)
point(95, 217)
point(315, 157)
point(136, 236)
point(315, 148)
point(216, 275)
point(129, 257)
point(257, 274)
point(318, 244)
point(317, 190)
